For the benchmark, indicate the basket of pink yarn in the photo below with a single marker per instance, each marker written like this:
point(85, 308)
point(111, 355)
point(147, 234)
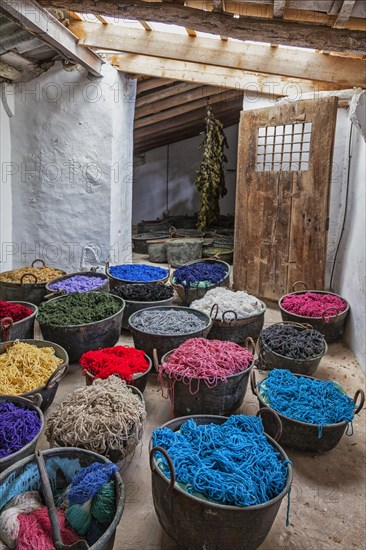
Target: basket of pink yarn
point(325, 311)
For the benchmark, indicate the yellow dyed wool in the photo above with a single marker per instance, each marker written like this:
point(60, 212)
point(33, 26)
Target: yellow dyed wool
point(43, 274)
point(25, 367)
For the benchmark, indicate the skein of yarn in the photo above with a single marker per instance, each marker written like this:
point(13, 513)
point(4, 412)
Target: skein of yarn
point(78, 283)
point(167, 322)
point(227, 300)
point(199, 274)
point(18, 426)
point(311, 304)
point(24, 503)
point(35, 530)
point(17, 312)
point(121, 360)
point(104, 417)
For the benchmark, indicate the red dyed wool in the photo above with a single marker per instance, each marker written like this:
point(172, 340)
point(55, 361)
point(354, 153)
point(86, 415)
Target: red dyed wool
point(35, 531)
point(209, 360)
point(121, 360)
point(311, 304)
point(17, 312)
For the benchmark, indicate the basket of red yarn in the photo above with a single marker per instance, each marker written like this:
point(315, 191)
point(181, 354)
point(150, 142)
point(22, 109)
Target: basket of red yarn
point(17, 320)
point(325, 311)
point(130, 364)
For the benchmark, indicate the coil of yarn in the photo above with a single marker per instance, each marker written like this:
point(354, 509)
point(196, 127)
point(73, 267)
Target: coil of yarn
point(106, 416)
point(209, 360)
point(78, 283)
point(138, 272)
point(306, 399)
point(35, 530)
point(311, 304)
point(26, 367)
point(43, 274)
point(293, 342)
point(168, 322)
point(19, 425)
point(24, 503)
point(242, 303)
point(200, 274)
point(121, 360)
point(148, 292)
point(17, 312)
point(78, 309)
point(231, 463)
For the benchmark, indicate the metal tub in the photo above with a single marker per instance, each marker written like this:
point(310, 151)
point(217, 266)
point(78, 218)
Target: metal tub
point(20, 329)
point(234, 329)
point(189, 294)
point(103, 288)
point(197, 524)
point(139, 380)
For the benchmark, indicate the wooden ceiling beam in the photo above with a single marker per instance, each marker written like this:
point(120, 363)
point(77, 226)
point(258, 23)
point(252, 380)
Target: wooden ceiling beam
point(247, 57)
point(279, 8)
point(198, 73)
point(344, 14)
point(41, 23)
point(151, 83)
point(182, 108)
point(168, 91)
point(170, 102)
point(8, 72)
point(274, 31)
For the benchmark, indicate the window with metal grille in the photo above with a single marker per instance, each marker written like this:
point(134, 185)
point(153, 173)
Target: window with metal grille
point(284, 148)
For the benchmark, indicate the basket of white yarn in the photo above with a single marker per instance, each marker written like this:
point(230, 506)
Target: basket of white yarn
point(107, 418)
point(236, 315)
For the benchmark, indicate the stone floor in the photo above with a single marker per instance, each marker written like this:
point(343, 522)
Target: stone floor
point(328, 492)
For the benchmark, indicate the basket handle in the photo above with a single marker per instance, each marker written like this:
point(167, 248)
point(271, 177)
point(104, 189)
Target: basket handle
point(94, 269)
point(253, 383)
point(362, 401)
point(156, 360)
point(106, 267)
point(38, 260)
point(36, 399)
point(275, 417)
point(57, 376)
point(249, 342)
point(28, 275)
point(215, 308)
point(172, 232)
point(230, 320)
point(55, 294)
point(299, 283)
point(325, 319)
point(170, 464)
point(6, 325)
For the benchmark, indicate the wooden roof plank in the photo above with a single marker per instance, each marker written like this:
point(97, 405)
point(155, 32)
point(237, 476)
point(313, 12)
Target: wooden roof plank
point(274, 31)
point(344, 14)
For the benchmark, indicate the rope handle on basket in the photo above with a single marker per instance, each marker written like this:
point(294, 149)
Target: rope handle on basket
point(38, 260)
point(28, 275)
point(249, 342)
point(94, 269)
point(294, 324)
point(156, 360)
point(299, 283)
point(170, 464)
point(230, 320)
point(276, 419)
point(57, 376)
point(362, 401)
point(328, 319)
point(6, 325)
point(215, 308)
point(253, 383)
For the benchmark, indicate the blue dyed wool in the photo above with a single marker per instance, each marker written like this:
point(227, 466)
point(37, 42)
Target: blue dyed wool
point(89, 480)
point(231, 463)
point(305, 399)
point(138, 272)
point(193, 274)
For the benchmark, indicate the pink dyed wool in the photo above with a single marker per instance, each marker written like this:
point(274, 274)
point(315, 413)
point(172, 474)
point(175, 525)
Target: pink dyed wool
point(35, 531)
point(311, 304)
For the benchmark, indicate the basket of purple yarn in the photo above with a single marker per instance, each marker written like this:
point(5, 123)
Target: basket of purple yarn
point(21, 424)
point(83, 281)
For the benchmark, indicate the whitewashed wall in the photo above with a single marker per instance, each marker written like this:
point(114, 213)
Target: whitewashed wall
point(72, 153)
point(6, 224)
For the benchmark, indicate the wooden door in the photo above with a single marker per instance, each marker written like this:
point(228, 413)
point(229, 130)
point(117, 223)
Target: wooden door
point(282, 196)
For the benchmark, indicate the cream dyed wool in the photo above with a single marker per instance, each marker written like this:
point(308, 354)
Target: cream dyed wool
point(241, 302)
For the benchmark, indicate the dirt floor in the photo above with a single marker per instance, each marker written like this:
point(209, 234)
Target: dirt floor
point(328, 492)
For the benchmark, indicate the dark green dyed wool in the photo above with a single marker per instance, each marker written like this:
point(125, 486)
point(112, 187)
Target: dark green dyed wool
point(78, 309)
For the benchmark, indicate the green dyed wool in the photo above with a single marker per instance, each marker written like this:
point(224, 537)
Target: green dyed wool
point(78, 309)
point(79, 517)
point(103, 507)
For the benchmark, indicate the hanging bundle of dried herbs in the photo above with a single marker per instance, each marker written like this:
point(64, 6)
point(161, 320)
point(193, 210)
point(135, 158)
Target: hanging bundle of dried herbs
point(211, 176)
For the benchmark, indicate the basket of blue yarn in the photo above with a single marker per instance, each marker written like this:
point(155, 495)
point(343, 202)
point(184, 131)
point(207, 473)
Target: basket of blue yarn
point(194, 279)
point(314, 413)
point(135, 273)
point(218, 482)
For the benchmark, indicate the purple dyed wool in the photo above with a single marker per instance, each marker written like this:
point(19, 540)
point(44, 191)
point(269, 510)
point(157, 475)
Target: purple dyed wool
point(18, 426)
point(78, 283)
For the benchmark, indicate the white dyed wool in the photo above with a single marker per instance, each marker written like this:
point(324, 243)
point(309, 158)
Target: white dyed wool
point(241, 302)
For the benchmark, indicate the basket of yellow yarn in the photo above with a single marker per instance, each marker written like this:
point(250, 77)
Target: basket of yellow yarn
point(28, 367)
point(28, 284)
